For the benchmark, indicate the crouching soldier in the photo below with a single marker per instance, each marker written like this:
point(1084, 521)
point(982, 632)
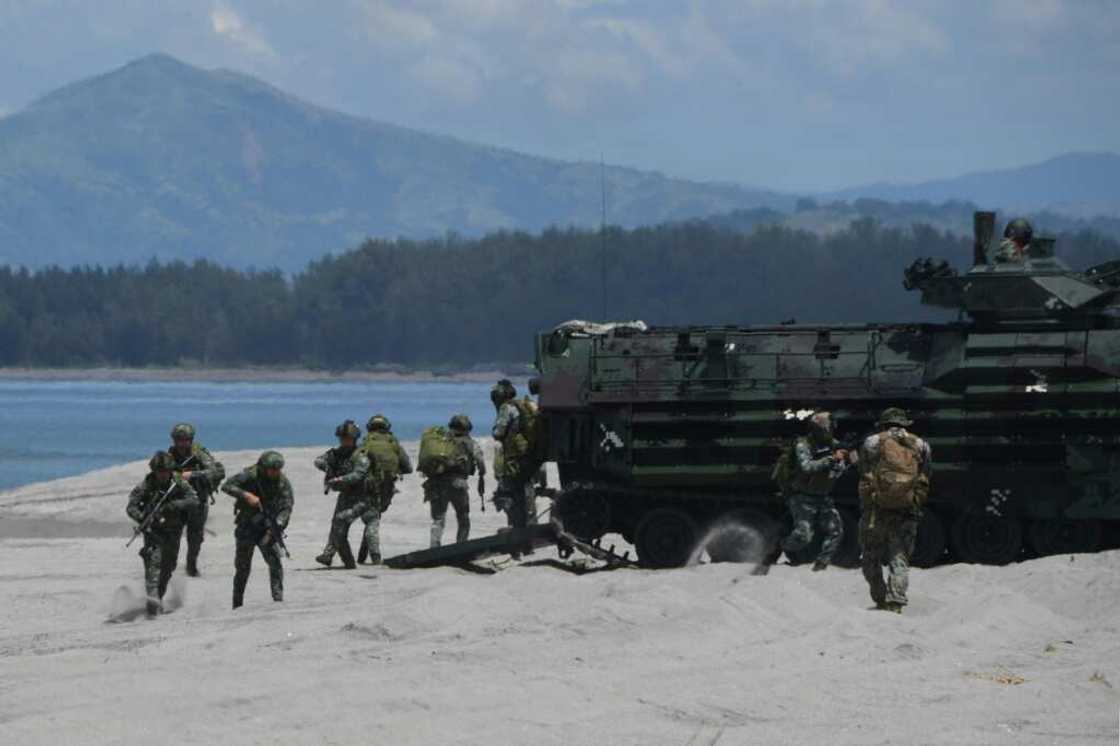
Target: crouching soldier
point(263, 508)
point(160, 505)
point(893, 486)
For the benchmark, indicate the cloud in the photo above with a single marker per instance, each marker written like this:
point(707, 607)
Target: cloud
point(226, 23)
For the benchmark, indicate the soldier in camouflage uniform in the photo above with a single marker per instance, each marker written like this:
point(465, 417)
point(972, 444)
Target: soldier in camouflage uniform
point(514, 484)
point(204, 473)
point(818, 462)
point(388, 463)
point(264, 504)
point(1016, 242)
point(451, 487)
point(161, 539)
point(888, 535)
point(347, 471)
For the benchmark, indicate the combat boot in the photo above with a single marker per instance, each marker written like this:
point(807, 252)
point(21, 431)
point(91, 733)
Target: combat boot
point(153, 609)
point(375, 559)
point(192, 560)
point(347, 556)
point(820, 565)
point(238, 601)
point(325, 559)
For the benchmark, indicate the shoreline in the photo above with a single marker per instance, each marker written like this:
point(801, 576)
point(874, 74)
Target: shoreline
point(258, 375)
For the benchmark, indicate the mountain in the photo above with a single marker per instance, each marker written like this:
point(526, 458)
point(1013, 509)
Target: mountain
point(162, 159)
point(1079, 184)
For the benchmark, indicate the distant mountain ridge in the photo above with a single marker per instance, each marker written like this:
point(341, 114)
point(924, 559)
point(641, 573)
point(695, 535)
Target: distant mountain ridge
point(1077, 184)
point(163, 159)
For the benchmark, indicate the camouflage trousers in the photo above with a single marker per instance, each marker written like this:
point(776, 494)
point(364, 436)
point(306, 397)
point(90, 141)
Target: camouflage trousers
point(160, 555)
point(813, 513)
point(341, 504)
point(440, 493)
point(196, 528)
point(516, 498)
point(250, 537)
point(365, 508)
point(887, 537)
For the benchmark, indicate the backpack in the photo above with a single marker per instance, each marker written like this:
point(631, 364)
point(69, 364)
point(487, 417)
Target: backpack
point(441, 454)
point(784, 468)
point(381, 449)
point(532, 449)
point(898, 473)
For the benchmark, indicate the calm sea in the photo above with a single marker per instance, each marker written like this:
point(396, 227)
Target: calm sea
point(56, 429)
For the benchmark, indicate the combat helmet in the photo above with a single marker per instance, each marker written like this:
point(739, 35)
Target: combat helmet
point(380, 423)
point(1019, 230)
point(347, 430)
point(503, 391)
point(271, 460)
point(183, 430)
point(895, 416)
point(162, 461)
point(460, 423)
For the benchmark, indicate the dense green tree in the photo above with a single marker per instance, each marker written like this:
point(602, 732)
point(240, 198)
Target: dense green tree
point(455, 302)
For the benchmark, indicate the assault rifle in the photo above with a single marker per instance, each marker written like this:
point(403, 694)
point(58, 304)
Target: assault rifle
point(275, 531)
point(150, 518)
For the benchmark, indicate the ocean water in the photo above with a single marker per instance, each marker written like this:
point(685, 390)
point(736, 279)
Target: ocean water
point(52, 429)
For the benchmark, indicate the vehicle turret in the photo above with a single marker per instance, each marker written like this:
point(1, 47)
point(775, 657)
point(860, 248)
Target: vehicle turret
point(1040, 287)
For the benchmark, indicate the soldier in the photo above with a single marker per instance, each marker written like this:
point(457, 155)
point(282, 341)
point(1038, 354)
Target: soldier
point(264, 506)
point(818, 462)
point(893, 485)
point(510, 469)
point(204, 473)
point(347, 471)
point(388, 464)
point(451, 487)
point(1016, 242)
point(167, 498)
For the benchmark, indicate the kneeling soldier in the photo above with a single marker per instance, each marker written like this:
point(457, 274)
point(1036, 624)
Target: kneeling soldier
point(264, 506)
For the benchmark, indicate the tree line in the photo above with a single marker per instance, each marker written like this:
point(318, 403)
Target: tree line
point(455, 302)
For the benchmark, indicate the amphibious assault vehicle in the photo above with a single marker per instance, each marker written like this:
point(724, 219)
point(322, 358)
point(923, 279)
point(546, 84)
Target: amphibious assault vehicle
point(659, 433)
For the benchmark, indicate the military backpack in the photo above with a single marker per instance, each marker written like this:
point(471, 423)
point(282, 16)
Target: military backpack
point(897, 475)
point(440, 453)
point(381, 448)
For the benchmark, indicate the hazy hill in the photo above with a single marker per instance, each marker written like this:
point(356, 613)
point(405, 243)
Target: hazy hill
point(1081, 184)
point(163, 159)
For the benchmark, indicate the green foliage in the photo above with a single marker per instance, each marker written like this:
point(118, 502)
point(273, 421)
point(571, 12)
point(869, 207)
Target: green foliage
point(458, 302)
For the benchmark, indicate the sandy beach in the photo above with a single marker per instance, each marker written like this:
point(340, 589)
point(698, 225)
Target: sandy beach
point(1024, 654)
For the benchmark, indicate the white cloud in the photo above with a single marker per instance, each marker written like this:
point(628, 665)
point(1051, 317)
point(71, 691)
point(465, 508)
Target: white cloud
point(226, 23)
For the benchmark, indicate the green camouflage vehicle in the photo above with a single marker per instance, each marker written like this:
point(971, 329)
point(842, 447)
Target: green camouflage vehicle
point(661, 433)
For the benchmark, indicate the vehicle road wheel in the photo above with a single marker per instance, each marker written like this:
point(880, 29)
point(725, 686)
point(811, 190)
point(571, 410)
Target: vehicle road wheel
point(585, 514)
point(742, 536)
point(987, 539)
point(1062, 536)
point(665, 538)
point(929, 547)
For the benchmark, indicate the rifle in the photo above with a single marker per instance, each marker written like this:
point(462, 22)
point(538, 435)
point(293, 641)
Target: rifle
point(150, 518)
point(275, 531)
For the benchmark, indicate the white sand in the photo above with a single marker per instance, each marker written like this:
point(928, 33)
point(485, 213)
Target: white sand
point(531, 655)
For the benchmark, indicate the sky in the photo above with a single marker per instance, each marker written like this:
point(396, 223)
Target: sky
point(796, 95)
